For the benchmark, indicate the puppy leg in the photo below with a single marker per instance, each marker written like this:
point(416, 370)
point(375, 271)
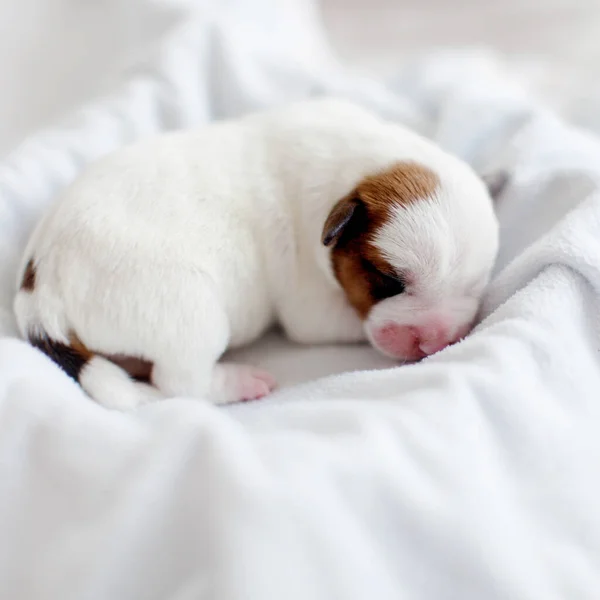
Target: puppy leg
point(189, 366)
point(224, 383)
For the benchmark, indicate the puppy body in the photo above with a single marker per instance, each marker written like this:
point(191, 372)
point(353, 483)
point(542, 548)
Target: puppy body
point(177, 248)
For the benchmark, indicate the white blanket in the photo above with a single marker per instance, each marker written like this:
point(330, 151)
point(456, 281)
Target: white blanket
point(472, 475)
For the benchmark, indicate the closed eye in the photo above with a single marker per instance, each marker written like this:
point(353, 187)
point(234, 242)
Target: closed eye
point(384, 285)
point(388, 286)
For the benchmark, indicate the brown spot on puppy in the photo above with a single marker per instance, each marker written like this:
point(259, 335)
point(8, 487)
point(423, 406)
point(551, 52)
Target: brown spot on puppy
point(400, 184)
point(28, 281)
point(353, 222)
point(137, 368)
point(78, 346)
point(71, 357)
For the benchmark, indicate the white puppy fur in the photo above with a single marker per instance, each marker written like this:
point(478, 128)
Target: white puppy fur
point(179, 247)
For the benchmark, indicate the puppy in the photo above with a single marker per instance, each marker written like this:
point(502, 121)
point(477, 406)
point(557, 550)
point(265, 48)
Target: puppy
point(320, 216)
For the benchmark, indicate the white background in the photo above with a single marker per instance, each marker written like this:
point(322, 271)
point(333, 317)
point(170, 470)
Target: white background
point(55, 54)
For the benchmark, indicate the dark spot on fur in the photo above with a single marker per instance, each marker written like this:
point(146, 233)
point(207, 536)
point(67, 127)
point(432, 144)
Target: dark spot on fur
point(28, 281)
point(137, 368)
point(71, 358)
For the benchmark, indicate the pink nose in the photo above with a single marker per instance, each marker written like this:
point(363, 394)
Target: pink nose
point(433, 338)
point(416, 341)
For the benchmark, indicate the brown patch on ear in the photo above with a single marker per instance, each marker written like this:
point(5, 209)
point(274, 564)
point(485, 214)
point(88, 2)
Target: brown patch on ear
point(338, 219)
point(28, 281)
point(362, 271)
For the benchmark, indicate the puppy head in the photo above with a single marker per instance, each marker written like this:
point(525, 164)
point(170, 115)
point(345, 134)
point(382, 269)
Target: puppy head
point(413, 251)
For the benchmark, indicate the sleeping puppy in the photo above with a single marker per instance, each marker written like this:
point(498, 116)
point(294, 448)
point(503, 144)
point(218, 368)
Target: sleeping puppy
point(321, 217)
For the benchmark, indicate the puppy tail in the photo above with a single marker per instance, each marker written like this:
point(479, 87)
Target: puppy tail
point(103, 380)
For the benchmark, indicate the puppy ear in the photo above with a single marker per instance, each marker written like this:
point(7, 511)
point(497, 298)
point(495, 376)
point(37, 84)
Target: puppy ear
point(496, 182)
point(339, 219)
